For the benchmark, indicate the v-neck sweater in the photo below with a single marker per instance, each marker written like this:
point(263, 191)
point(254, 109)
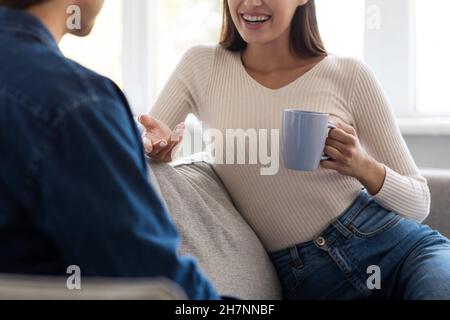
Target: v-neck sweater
point(292, 207)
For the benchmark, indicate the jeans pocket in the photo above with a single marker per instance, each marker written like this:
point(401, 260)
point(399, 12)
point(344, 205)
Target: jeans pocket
point(373, 220)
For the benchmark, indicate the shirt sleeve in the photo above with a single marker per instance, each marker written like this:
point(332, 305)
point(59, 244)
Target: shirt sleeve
point(98, 206)
point(186, 89)
point(405, 191)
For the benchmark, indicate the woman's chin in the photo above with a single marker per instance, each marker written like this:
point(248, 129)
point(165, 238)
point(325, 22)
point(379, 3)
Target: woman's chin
point(256, 39)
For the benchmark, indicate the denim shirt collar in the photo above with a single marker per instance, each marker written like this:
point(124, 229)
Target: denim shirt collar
point(21, 22)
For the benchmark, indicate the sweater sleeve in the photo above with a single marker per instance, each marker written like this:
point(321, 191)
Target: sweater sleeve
point(187, 88)
point(405, 191)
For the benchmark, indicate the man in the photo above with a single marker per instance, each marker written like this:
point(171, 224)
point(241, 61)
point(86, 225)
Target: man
point(73, 180)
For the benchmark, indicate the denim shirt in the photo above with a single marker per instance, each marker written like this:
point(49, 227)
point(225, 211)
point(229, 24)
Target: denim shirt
point(73, 180)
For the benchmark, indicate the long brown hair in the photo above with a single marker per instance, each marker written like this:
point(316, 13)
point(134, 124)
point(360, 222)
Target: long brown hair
point(304, 36)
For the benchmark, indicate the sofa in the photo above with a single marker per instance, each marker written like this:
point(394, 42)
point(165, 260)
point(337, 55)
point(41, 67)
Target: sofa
point(227, 249)
point(211, 230)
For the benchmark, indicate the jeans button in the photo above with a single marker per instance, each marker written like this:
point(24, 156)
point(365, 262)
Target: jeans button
point(321, 242)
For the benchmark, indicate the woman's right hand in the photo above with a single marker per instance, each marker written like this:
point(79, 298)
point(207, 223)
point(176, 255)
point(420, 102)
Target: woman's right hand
point(160, 142)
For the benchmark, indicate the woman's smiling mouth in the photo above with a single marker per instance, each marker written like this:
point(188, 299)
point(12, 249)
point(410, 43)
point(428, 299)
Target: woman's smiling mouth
point(255, 21)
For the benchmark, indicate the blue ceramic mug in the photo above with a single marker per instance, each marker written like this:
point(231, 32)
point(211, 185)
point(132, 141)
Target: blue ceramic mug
point(304, 137)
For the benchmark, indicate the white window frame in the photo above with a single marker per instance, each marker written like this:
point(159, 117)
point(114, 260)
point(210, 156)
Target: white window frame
point(139, 53)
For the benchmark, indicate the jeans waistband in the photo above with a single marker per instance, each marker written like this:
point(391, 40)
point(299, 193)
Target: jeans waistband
point(337, 228)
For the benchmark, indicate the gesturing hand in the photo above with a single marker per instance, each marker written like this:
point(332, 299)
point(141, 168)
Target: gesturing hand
point(160, 142)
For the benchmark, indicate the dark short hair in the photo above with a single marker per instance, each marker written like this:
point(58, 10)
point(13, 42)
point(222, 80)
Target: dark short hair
point(305, 37)
point(20, 4)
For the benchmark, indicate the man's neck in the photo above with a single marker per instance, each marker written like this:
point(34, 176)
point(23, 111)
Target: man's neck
point(53, 15)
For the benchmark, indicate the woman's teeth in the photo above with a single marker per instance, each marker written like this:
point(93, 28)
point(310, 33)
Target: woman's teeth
point(255, 19)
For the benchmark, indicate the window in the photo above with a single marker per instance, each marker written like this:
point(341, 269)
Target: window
point(432, 63)
point(179, 25)
point(341, 25)
point(404, 41)
point(102, 49)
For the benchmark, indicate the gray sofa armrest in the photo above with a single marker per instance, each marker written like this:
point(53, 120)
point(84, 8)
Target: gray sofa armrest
point(54, 288)
point(439, 183)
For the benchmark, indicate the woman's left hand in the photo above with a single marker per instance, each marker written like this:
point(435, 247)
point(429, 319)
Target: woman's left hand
point(348, 157)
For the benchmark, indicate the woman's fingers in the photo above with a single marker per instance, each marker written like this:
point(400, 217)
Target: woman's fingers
point(159, 147)
point(334, 153)
point(148, 122)
point(330, 165)
point(155, 129)
point(152, 146)
point(336, 144)
point(168, 156)
point(342, 136)
point(175, 141)
point(156, 145)
point(177, 133)
point(148, 146)
point(347, 128)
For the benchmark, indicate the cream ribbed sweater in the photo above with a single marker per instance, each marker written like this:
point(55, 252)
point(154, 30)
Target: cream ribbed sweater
point(293, 207)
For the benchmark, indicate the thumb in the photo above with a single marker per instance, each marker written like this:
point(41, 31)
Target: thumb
point(148, 122)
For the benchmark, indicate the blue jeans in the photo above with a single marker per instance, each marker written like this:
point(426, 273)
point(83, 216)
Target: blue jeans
point(368, 253)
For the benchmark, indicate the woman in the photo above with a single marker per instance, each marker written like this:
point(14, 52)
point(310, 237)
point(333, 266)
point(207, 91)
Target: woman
point(325, 235)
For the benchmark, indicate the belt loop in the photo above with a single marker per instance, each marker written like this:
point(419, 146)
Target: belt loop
point(359, 204)
point(342, 229)
point(296, 262)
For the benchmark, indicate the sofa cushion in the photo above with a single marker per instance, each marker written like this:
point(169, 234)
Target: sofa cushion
point(439, 183)
point(213, 231)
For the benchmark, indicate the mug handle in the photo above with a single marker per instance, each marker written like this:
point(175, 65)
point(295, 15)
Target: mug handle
point(330, 126)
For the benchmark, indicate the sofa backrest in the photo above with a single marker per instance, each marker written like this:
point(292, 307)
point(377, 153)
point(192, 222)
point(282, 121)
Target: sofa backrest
point(439, 183)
